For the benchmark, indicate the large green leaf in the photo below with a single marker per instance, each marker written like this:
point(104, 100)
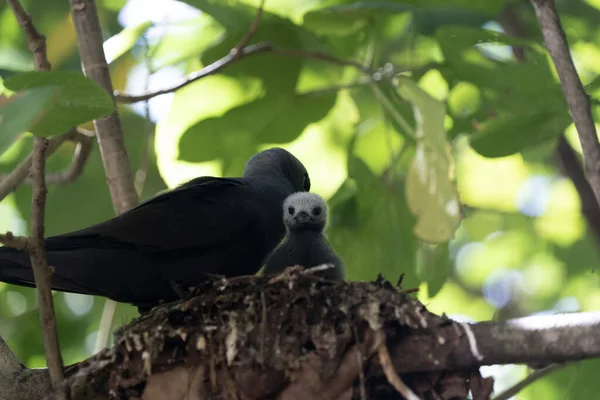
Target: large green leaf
point(510, 134)
point(78, 99)
point(371, 227)
point(22, 111)
point(347, 18)
point(274, 119)
point(430, 191)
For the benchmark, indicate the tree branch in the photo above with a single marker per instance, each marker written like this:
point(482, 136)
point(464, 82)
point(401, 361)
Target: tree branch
point(41, 272)
point(35, 41)
point(35, 246)
point(10, 182)
point(69, 175)
point(534, 376)
point(577, 99)
point(217, 66)
point(108, 130)
point(537, 339)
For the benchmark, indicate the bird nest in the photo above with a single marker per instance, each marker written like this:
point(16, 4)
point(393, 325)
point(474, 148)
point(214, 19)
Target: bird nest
point(293, 336)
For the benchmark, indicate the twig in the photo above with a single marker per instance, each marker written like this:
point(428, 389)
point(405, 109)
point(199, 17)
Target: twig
point(41, 272)
point(391, 375)
point(16, 242)
point(73, 171)
point(108, 130)
point(577, 99)
point(35, 246)
point(35, 41)
point(566, 159)
point(570, 166)
point(262, 47)
point(196, 75)
point(18, 175)
point(534, 376)
point(236, 51)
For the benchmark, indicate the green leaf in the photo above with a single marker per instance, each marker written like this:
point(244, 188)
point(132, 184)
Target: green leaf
point(190, 39)
point(510, 134)
point(123, 41)
point(348, 18)
point(371, 227)
point(22, 111)
point(430, 192)
point(433, 266)
point(274, 119)
point(79, 99)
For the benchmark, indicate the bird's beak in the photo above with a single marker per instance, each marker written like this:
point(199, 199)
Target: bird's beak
point(302, 218)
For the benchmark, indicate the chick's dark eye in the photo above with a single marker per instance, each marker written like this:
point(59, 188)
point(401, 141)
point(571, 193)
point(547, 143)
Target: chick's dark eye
point(306, 183)
point(291, 210)
point(317, 211)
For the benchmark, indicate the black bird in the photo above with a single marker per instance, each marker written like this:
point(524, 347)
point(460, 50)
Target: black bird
point(305, 217)
point(212, 225)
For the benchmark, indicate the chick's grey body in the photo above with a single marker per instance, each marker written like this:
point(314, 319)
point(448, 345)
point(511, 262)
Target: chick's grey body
point(209, 225)
point(305, 217)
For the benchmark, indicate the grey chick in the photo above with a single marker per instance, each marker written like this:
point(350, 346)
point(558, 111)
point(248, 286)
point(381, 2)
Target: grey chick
point(305, 217)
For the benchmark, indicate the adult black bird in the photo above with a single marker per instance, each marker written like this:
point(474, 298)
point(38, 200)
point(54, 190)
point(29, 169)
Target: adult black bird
point(305, 217)
point(211, 225)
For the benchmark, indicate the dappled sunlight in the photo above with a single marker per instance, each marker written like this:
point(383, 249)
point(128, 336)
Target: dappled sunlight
point(453, 300)
point(489, 183)
point(562, 221)
point(190, 105)
point(434, 84)
point(322, 146)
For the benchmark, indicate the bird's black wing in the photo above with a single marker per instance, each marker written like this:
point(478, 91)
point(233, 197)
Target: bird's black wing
point(203, 213)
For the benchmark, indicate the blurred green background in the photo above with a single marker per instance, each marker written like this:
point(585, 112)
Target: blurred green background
point(467, 118)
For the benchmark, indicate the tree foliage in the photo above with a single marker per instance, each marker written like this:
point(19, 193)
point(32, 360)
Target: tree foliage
point(436, 156)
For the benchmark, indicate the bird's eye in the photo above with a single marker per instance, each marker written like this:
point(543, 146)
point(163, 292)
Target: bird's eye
point(317, 211)
point(306, 183)
point(291, 210)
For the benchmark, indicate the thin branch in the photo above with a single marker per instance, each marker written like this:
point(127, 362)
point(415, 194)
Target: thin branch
point(10, 183)
point(577, 99)
point(68, 175)
point(35, 246)
point(196, 75)
point(109, 132)
point(35, 41)
point(251, 31)
point(566, 159)
point(75, 169)
point(16, 242)
point(41, 272)
point(534, 376)
point(217, 66)
point(570, 166)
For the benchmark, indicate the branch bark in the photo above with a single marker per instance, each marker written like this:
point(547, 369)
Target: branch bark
point(577, 98)
point(35, 245)
point(108, 130)
point(41, 272)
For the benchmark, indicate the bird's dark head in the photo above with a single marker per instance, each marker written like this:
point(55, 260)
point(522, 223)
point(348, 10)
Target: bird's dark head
point(281, 163)
point(304, 211)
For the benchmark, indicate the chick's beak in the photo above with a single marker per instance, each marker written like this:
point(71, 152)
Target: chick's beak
point(302, 217)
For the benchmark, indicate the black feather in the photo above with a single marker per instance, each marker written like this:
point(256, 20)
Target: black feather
point(210, 225)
